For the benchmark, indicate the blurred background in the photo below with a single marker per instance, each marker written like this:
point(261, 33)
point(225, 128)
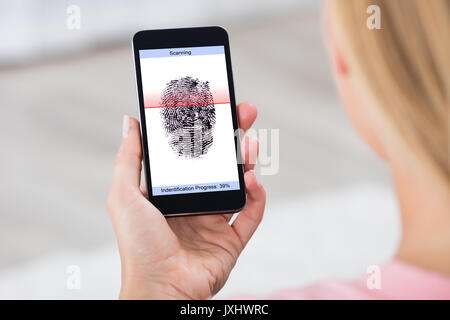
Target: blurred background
point(330, 212)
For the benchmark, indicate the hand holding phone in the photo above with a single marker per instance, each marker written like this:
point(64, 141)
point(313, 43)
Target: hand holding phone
point(178, 258)
point(190, 137)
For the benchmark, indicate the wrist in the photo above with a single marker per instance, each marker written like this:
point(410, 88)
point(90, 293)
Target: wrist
point(146, 289)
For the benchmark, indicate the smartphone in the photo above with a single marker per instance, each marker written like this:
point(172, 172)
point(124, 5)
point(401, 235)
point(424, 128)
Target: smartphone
point(189, 125)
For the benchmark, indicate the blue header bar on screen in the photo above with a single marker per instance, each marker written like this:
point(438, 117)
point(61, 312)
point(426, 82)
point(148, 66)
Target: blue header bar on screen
point(180, 52)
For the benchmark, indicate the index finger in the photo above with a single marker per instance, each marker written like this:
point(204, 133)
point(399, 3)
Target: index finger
point(247, 113)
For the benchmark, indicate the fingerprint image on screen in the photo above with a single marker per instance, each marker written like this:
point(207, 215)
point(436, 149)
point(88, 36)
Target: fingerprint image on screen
point(188, 116)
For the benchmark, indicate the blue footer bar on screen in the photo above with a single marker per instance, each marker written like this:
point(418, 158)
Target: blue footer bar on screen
point(195, 188)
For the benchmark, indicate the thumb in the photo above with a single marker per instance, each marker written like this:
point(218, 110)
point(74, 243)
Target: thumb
point(127, 167)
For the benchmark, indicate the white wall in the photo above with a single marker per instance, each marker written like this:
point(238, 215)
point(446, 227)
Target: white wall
point(32, 29)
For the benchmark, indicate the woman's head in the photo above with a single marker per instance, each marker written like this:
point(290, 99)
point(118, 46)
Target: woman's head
point(394, 81)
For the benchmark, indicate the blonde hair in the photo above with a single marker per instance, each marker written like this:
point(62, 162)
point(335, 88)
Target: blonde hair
point(405, 66)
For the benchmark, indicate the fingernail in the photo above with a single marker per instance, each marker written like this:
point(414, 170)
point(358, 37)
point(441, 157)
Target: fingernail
point(125, 126)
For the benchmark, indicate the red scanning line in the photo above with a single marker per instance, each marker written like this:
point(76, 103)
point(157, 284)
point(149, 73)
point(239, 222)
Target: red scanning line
point(186, 105)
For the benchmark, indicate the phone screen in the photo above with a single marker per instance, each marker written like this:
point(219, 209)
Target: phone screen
point(189, 123)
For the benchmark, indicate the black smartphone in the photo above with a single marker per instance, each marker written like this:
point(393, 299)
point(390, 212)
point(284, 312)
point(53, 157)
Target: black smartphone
point(189, 124)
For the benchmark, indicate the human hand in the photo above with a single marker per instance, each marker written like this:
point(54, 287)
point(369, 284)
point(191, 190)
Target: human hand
point(183, 257)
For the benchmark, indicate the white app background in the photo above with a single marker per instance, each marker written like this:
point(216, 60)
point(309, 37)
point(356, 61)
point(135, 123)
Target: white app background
point(219, 163)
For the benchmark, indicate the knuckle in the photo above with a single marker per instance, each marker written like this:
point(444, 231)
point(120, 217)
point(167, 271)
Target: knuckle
point(121, 197)
point(127, 194)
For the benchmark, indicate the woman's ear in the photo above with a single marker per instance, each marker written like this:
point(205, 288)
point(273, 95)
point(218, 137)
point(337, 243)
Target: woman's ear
point(339, 61)
point(349, 96)
point(334, 52)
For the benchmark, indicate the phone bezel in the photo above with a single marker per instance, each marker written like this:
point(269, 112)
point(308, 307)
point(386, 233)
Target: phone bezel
point(191, 203)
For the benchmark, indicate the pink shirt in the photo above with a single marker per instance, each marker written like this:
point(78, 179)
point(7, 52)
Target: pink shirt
point(398, 280)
